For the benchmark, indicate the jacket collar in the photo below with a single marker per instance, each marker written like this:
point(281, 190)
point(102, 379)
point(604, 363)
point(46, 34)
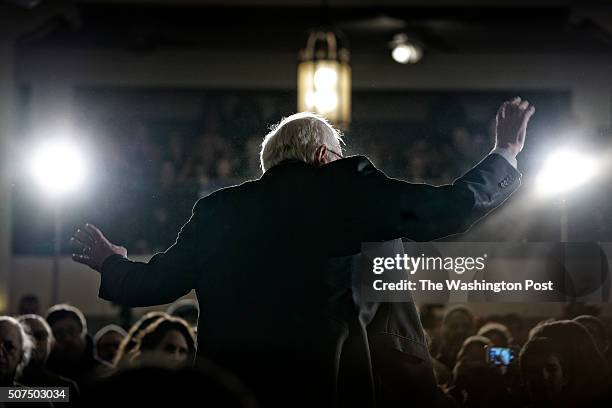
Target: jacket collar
point(284, 164)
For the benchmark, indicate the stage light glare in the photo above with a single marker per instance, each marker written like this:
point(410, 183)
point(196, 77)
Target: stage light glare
point(58, 166)
point(565, 170)
point(402, 54)
point(405, 51)
point(325, 78)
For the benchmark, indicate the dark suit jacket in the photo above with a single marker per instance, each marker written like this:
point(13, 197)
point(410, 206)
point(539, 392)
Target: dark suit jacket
point(257, 255)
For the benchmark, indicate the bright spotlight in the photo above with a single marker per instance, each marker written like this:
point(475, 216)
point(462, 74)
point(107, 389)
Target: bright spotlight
point(565, 170)
point(58, 166)
point(405, 51)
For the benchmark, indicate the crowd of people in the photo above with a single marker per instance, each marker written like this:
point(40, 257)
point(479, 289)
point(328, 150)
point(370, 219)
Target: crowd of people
point(57, 350)
point(561, 362)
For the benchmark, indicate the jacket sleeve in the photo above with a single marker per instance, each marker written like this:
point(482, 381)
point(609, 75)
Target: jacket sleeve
point(388, 208)
point(166, 277)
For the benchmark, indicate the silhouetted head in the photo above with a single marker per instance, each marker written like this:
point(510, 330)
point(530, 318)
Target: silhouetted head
point(498, 334)
point(473, 374)
point(28, 304)
point(107, 341)
point(561, 365)
point(40, 332)
point(15, 349)
point(457, 325)
point(303, 136)
point(169, 342)
point(129, 342)
point(69, 329)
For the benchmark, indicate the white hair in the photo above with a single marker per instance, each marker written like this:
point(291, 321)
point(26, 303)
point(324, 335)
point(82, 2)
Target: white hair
point(297, 137)
point(26, 343)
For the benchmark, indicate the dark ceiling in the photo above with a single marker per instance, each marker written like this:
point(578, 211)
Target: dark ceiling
point(369, 28)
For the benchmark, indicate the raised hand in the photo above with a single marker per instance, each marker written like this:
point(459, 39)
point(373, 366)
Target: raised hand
point(93, 248)
point(511, 124)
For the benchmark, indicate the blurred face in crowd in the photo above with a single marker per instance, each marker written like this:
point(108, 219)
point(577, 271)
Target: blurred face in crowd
point(472, 360)
point(457, 327)
point(173, 347)
point(10, 350)
point(69, 338)
point(475, 352)
point(41, 340)
point(224, 168)
point(29, 305)
point(546, 379)
point(108, 345)
point(474, 374)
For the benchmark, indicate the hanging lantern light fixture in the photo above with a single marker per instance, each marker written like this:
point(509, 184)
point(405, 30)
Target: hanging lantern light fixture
point(324, 78)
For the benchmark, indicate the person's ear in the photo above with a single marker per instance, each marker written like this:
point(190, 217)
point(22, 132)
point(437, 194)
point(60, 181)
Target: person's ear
point(320, 156)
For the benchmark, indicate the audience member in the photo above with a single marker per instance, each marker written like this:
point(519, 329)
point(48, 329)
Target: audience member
point(28, 304)
point(107, 341)
point(169, 342)
point(15, 350)
point(476, 381)
point(72, 354)
point(36, 373)
point(497, 333)
point(562, 367)
point(457, 325)
point(131, 340)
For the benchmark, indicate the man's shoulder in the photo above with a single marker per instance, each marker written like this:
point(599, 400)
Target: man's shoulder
point(347, 167)
point(353, 160)
point(352, 165)
point(220, 196)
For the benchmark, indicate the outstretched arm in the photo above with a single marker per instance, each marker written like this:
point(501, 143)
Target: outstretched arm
point(166, 277)
point(452, 209)
point(388, 208)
